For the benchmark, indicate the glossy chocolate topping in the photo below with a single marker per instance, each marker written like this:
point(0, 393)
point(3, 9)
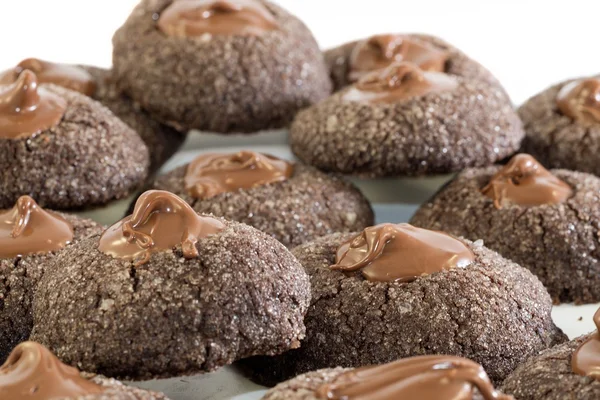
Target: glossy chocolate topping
point(161, 221)
point(526, 182)
point(190, 18)
point(397, 83)
point(580, 100)
point(67, 76)
point(212, 174)
point(28, 229)
point(586, 359)
point(26, 109)
point(32, 372)
point(423, 378)
point(401, 253)
point(379, 51)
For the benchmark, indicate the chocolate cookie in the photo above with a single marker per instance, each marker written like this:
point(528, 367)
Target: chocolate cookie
point(293, 203)
point(351, 61)
point(64, 149)
point(30, 238)
point(562, 125)
point(546, 221)
point(223, 66)
point(396, 291)
point(33, 372)
point(98, 83)
point(169, 292)
point(405, 121)
point(567, 371)
point(425, 378)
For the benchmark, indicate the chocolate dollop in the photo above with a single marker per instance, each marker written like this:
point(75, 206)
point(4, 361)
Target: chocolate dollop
point(426, 377)
point(28, 229)
point(211, 174)
point(32, 372)
point(161, 221)
point(26, 109)
point(401, 253)
point(190, 18)
point(379, 51)
point(580, 100)
point(526, 182)
point(586, 358)
point(67, 76)
point(398, 83)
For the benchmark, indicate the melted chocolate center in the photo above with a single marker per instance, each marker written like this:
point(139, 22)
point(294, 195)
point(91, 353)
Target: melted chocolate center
point(67, 76)
point(32, 372)
point(161, 221)
point(401, 253)
point(526, 182)
point(26, 109)
point(28, 229)
point(212, 174)
point(379, 51)
point(191, 18)
point(423, 378)
point(398, 83)
point(580, 100)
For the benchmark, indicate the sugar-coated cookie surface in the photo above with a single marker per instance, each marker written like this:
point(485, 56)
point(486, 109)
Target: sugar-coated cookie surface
point(220, 82)
point(491, 311)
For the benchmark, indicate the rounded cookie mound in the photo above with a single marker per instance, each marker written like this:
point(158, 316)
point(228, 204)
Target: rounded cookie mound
point(243, 295)
point(222, 83)
point(555, 139)
point(557, 242)
point(308, 205)
point(493, 312)
point(19, 278)
point(162, 141)
point(471, 125)
point(549, 376)
point(338, 61)
point(90, 158)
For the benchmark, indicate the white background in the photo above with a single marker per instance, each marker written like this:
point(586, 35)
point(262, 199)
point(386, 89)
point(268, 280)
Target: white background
point(528, 44)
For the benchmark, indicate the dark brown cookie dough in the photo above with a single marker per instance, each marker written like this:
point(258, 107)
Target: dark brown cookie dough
point(19, 277)
point(471, 125)
point(162, 141)
point(458, 63)
point(549, 376)
point(90, 158)
point(556, 140)
point(493, 312)
point(220, 83)
point(244, 295)
point(115, 390)
point(308, 205)
point(558, 243)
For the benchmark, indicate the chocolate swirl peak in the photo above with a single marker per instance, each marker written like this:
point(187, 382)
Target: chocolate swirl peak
point(190, 18)
point(379, 51)
point(161, 221)
point(401, 253)
point(67, 76)
point(526, 182)
point(398, 83)
point(28, 229)
point(580, 100)
point(26, 109)
point(211, 174)
point(424, 378)
point(586, 359)
point(32, 372)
